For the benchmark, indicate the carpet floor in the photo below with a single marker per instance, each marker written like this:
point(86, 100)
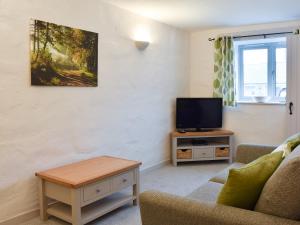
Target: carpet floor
point(180, 180)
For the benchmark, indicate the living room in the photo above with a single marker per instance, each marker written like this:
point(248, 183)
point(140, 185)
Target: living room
point(90, 102)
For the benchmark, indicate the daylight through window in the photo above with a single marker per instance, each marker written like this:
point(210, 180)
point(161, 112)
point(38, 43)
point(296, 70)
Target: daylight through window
point(261, 68)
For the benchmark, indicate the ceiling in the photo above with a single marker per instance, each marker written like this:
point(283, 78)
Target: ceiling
point(206, 14)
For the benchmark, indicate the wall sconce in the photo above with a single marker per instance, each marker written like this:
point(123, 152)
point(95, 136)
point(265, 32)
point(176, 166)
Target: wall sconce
point(141, 45)
point(141, 38)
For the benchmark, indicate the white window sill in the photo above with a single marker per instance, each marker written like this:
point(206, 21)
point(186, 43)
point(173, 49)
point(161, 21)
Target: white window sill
point(261, 103)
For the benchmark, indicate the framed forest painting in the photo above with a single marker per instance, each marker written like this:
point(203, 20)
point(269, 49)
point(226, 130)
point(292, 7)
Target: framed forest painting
point(63, 56)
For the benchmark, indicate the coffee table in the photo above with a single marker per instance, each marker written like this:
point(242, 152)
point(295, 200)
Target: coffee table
point(86, 190)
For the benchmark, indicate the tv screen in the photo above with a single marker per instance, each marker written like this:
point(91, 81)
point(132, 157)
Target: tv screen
point(198, 113)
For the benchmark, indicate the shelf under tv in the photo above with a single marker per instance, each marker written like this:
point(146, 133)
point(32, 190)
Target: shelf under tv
point(202, 146)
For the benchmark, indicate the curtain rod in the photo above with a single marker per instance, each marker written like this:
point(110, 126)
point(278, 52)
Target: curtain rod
point(256, 35)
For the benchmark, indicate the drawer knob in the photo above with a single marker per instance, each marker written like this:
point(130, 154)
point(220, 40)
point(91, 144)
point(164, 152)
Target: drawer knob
point(98, 190)
point(124, 180)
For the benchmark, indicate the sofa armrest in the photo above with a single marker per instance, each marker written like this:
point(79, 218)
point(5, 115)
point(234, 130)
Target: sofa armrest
point(165, 209)
point(246, 153)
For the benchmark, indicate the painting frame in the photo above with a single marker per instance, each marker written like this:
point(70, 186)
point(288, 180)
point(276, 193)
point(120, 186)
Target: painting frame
point(62, 56)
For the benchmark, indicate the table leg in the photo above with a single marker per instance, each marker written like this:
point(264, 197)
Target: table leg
point(231, 149)
point(76, 209)
point(43, 200)
point(136, 187)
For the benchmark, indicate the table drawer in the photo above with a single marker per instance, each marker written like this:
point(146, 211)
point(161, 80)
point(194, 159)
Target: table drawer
point(123, 180)
point(97, 190)
point(199, 153)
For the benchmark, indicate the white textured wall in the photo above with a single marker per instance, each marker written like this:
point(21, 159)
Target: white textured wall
point(260, 124)
point(129, 115)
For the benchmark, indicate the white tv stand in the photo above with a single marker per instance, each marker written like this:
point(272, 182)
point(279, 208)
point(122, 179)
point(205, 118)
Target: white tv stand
point(202, 146)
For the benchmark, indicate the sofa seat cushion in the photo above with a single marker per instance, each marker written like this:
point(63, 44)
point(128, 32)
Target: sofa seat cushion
point(221, 177)
point(280, 195)
point(207, 192)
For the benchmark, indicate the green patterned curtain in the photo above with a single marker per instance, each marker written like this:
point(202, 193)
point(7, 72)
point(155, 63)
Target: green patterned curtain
point(223, 85)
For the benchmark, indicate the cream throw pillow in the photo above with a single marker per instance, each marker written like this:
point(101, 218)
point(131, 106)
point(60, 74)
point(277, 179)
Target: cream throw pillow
point(281, 193)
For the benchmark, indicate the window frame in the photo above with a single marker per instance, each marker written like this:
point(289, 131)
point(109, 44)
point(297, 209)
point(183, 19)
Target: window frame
point(271, 50)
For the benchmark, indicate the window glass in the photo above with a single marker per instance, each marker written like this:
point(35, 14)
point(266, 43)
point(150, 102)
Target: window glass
point(255, 72)
point(261, 66)
point(281, 72)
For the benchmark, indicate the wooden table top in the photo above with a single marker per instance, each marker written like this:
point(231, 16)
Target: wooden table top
point(77, 174)
point(203, 133)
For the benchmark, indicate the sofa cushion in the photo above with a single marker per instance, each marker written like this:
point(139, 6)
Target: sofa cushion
point(207, 192)
point(289, 144)
point(280, 196)
point(221, 177)
point(244, 185)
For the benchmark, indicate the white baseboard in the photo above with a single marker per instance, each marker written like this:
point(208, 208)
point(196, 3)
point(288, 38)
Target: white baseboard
point(155, 166)
point(23, 217)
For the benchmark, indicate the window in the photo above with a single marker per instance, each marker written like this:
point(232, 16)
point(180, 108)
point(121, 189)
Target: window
point(261, 69)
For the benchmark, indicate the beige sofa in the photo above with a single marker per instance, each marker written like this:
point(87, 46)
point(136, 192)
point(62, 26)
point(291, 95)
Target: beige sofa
point(199, 208)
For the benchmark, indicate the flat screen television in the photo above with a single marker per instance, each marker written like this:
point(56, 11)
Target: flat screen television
point(199, 113)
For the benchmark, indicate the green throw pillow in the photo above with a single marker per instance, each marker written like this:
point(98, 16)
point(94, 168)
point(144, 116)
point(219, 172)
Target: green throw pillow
point(289, 144)
point(244, 185)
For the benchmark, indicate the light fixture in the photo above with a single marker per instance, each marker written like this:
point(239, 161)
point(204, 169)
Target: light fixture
point(141, 45)
point(141, 37)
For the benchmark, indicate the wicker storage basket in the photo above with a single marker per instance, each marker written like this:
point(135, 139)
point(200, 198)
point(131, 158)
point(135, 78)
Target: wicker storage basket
point(222, 152)
point(184, 154)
